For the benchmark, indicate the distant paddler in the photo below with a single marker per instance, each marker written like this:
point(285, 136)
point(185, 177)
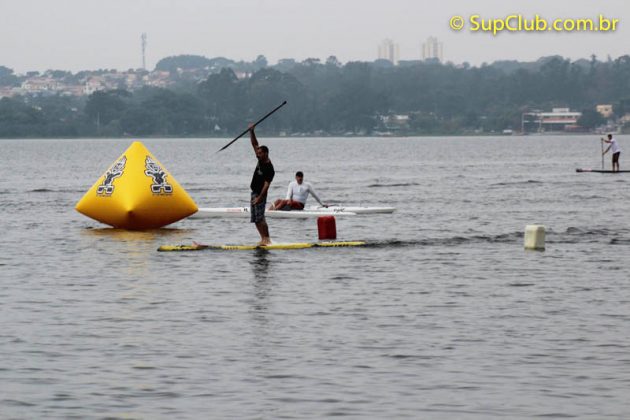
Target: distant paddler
point(615, 149)
point(297, 193)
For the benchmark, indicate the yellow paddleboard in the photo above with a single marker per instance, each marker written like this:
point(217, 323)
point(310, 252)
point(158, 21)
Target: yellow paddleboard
point(299, 245)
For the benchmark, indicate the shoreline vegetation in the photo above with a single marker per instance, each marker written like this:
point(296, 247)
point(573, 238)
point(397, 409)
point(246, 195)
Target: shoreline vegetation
point(196, 97)
point(341, 136)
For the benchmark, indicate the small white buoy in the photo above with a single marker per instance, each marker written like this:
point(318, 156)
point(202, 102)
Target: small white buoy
point(535, 237)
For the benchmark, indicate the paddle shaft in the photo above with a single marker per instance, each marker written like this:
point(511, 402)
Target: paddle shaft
point(602, 143)
point(254, 125)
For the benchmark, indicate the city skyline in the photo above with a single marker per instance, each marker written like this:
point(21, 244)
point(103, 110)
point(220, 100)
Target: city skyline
point(36, 35)
point(388, 50)
point(432, 48)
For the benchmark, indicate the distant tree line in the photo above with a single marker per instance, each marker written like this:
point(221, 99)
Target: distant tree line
point(329, 98)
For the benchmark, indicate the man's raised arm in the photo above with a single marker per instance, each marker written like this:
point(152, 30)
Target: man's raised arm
point(252, 137)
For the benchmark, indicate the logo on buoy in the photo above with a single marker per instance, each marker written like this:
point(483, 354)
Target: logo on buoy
point(159, 186)
point(116, 171)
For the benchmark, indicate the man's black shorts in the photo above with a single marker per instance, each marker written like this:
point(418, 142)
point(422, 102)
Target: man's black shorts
point(257, 212)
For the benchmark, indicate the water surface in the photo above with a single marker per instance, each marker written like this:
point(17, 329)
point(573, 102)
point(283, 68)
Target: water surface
point(444, 316)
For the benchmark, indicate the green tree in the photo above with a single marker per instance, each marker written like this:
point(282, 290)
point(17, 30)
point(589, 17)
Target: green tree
point(7, 78)
point(591, 119)
point(224, 99)
point(104, 107)
point(18, 119)
point(171, 64)
point(260, 62)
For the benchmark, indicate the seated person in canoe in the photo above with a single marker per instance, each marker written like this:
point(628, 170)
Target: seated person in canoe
point(297, 193)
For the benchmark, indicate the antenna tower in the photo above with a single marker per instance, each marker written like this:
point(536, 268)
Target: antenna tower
point(144, 48)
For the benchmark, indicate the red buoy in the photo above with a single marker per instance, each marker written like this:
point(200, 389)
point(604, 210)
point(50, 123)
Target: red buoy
point(327, 227)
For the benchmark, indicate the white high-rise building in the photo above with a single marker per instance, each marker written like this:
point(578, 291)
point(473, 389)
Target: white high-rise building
point(432, 49)
point(387, 50)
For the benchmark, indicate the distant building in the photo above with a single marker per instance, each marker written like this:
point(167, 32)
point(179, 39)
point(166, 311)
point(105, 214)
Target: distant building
point(157, 78)
point(559, 119)
point(433, 50)
point(73, 90)
point(395, 122)
point(38, 85)
point(7, 91)
point(242, 74)
point(387, 50)
point(606, 111)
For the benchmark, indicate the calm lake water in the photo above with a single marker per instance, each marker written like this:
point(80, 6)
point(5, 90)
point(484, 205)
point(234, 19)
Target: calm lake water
point(444, 316)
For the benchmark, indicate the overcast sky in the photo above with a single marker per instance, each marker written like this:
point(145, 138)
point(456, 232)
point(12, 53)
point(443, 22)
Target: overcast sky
point(87, 34)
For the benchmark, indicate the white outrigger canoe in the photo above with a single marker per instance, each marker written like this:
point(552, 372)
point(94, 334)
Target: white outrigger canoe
point(353, 209)
point(216, 212)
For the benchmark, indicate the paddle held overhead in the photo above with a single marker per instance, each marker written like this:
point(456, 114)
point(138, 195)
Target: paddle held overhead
point(254, 125)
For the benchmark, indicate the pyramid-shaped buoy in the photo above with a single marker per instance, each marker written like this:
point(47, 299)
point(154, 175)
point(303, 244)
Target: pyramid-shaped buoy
point(136, 192)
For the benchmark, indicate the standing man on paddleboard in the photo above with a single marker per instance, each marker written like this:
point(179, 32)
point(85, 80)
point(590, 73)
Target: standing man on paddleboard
point(263, 175)
point(616, 151)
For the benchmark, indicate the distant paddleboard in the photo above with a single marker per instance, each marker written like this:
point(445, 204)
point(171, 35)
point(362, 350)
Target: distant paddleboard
point(298, 245)
point(599, 171)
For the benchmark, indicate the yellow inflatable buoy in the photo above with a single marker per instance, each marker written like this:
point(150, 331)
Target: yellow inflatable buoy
point(136, 192)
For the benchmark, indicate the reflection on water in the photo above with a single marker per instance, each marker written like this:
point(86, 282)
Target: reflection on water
point(110, 243)
point(263, 330)
point(260, 263)
point(137, 235)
